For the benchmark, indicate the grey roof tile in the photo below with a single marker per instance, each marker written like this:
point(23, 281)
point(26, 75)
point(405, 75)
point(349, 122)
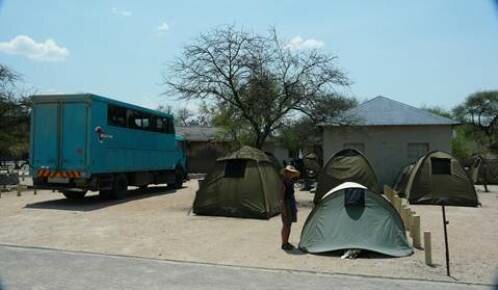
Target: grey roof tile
point(382, 111)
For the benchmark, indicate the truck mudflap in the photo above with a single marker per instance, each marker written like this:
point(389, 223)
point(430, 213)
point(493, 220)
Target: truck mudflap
point(58, 174)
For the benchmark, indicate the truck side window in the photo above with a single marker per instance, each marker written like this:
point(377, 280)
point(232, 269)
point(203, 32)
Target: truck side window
point(160, 125)
point(146, 122)
point(116, 116)
point(134, 121)
point(171, 126)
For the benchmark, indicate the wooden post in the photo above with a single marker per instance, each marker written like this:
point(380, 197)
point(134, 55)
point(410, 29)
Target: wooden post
point(445, 223)
point(408, 216)
point(415, 232)
point(391, 194)
point(428, 248)
point(387, 192)
point(404, 216)
point(18, 189)
point(397, 203)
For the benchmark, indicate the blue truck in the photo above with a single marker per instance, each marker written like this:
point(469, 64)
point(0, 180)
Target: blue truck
point(84, 142)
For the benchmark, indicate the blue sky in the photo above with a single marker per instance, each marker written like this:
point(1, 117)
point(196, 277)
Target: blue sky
point(430, 52)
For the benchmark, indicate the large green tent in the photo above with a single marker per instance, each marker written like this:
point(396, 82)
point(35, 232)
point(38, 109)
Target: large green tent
point(346, 165)
point(352, 217)
point(439, 178)
point(242, 184)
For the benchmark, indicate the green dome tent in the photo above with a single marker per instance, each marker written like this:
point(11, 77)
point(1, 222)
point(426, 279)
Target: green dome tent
point(242, 184)
point(402, 179)
point(439, 178)
point(352, 217)
point(346, 165)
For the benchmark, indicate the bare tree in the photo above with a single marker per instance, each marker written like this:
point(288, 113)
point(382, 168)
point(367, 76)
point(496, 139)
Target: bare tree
point(184, 116)
point(259, 77)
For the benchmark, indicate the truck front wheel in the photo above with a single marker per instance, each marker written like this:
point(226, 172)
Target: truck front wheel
point(119, 186)
point(179, 177)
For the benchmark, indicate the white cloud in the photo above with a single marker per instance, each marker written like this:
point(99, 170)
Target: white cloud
point(163, 27)
point(297, 42)
point(121, 12)
point(24, 45)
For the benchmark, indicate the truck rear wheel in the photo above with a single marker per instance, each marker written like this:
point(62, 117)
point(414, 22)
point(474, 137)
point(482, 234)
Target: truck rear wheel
point(179, 177)
point(74, 194)
point(119, 186)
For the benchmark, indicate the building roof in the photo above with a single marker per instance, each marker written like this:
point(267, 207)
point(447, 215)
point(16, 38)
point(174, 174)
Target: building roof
point(382, 111)
point(206, 134)
point(199, 134)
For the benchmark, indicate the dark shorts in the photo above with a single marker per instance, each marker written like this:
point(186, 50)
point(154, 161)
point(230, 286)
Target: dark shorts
point(291, 216)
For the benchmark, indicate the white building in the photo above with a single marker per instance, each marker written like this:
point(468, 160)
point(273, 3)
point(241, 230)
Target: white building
point(391, 135)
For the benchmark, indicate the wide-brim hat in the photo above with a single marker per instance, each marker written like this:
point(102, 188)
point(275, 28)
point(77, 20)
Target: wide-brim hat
point(291, 169)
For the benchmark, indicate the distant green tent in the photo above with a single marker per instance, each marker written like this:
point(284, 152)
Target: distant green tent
point(311, 165)
point(488, 171)
point(439, 178)
point(352, 217)
point(242, 184)
point(402, 179)
point(346, 165)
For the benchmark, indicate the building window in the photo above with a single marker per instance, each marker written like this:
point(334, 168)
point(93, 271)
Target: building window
point(441, 166)
point(416, 150)
point(358, 146)
point(235, 168)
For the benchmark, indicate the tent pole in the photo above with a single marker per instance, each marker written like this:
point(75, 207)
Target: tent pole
point(445, 222)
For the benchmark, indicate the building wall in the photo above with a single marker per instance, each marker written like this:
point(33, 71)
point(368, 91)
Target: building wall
point(388, 148)
point(201, 156)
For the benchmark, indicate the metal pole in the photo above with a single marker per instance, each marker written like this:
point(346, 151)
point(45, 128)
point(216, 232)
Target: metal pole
point(445, 222)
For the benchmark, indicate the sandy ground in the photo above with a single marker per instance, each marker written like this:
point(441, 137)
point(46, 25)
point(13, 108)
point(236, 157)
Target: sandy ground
point(158, 224)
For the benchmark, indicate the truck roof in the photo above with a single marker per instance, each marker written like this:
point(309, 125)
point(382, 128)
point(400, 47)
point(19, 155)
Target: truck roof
point(88, 97)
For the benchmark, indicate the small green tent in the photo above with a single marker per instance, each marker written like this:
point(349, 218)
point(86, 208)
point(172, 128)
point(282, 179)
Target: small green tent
point(352, 217)
point(439, 178)
point(311, 165)
point(402, 179)
point(242, 184)
point(346, 165)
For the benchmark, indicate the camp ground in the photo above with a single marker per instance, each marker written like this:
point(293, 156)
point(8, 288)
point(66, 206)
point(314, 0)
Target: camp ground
point(350, 216)
point(346, 165)
point(437, 178)
point(245, 183)
point(248, 145)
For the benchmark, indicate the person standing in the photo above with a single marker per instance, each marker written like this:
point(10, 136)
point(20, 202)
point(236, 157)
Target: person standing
point(288, 206)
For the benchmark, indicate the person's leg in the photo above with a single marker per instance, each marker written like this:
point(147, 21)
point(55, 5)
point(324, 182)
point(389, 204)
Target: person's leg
point(286, 229)
point(285, 233)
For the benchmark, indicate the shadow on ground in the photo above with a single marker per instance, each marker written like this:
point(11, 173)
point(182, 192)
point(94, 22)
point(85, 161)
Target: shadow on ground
point(365, 254)
point(95, 202)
